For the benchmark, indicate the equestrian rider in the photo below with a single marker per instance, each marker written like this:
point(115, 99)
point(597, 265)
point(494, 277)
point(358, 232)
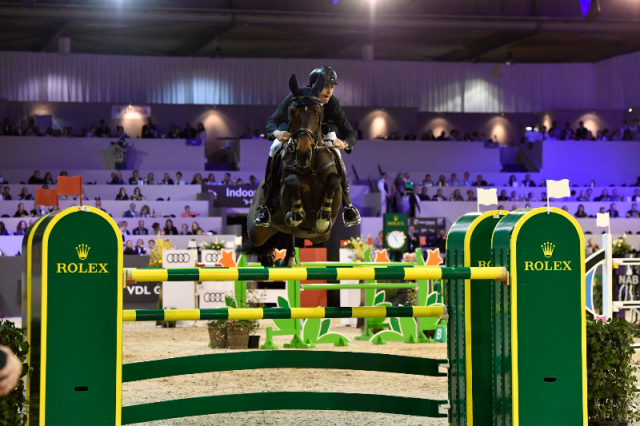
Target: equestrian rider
point(334, 116)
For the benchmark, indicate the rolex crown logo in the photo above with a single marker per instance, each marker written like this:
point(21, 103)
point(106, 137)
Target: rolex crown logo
point(83, 251)
point(547, 249)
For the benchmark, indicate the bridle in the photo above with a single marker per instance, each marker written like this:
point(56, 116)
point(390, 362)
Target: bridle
point(314, 136)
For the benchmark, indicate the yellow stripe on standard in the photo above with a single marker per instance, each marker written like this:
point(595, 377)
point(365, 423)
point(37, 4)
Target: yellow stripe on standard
point(245, 314)
point(489, 273)
point(363, 273)
point(301, 313)
point(182, 314)
point(219, 274)
point(288, 274)
point(428, 311)
point(148, 275)
point(423, 273)
point(369, 312)
point(128, 315)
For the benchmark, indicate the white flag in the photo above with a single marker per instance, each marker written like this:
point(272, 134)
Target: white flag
point(602, 220)
point(558, 188)
point(487, 197)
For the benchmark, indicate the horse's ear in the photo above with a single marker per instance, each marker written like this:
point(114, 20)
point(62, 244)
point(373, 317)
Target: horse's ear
point(294, 85)
point(319, 86)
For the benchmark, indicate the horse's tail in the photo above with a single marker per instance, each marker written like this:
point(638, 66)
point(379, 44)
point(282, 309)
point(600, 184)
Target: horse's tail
point(249, 249)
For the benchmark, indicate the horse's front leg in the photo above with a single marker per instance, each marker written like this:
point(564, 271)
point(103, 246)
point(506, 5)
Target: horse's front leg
point(323, 221)
point(297, 214)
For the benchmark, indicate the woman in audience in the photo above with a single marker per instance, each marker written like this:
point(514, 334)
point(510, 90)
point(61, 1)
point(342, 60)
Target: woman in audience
point(200, 132)
point(145, 212)
point(156, 228)
point(24, 194)
point(122, 195)
point(150, 180)
point(48, 179)
point(194, 228)
point(456, 196)
point(582, 197)
point(21, 212)
point(185, 229)
point(199, 232)
point(137, 195)
point(21, 228)
point(197, 179)
point(442, 181)
point(471, 196)
point(3, 229)
point(211, 179)
point(513, 181)
point(84, 196)
point(580, 212)
point(169, 229)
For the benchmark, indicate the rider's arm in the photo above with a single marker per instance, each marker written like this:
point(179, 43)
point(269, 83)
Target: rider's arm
point(280, 116)
point(340, 120)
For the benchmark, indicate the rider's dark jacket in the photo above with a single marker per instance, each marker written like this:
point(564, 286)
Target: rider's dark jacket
point(333, 114)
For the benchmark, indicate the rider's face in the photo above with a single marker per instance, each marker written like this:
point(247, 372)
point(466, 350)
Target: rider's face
point(326, 93)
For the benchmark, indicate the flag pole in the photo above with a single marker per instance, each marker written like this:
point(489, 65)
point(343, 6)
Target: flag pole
point(548, 198)
point(81, 191)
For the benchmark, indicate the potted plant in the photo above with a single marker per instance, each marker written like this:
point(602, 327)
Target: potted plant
point(352, 250)
point(218, 334)
point(620, 247)
point(611, 373)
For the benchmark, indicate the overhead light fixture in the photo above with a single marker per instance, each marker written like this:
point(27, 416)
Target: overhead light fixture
point(630, 109)
point(508, 60)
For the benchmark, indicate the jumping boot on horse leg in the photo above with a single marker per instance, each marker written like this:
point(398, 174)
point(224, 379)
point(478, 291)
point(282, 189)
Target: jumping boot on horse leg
point(263, 216)
point(296, 215)
point(350, 214)
point(323, 222)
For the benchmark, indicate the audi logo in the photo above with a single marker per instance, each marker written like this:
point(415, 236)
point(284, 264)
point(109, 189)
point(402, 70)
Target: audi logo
point(212, 257)
point(178, 258)
point(213, 297)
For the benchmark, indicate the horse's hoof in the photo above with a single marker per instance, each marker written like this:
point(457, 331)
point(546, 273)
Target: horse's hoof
point(322, 226)
point(288, 219)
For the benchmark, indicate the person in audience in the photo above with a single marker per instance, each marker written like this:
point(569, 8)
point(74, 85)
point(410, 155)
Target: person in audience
point(120, 134)
point(637, 182)
point(35, 179)
point(567, 132)
point(188, 132)
point(92, 132)
point(454, 180)
point(471, 195)
point(152, 245)
point(532, 135)
point(114, 179)
point(378, 243)
point(132, 211)
point(238, 182)
point(24, 194)
point(156, 228)
point(169, 229)
point(604, 196)
point(99, 205)
point(150, 180)
point(513, 196)
point(613, 211)
point(123, 228)
point(21, 228)
point(201, 133)
point(211, 179)
point(103, 130)
point(246, 134)
point(456, 196)
point(179, 180)
point(615, 135)
point(122, 195)
point(38, 211)
point(466, 181)
point(411, 136)
point(145, 211)
point(565, 208)
point(480, 182)
point(129, 248)
point(634, 211)
point(226, 180)
point(503, 196)
point(513, 181)
point(185, 229)
point(3, 229)
point(21, 212)
point(188, 213)
point(75, 197)
point(175, 133)
point(442, 181)
point(119, 178)
point(527, 181)
point(531, 197)
point(424, 194)
point(527, 206)
point(253, 181)
point(200, 232)
point(137, 195)
point(636, 195)
point(615, 196)
point(582, 196)
point(427, 181)
point(592, 247)
point(141, 230)
point(6, 195)
point(543, 196)
point(48, 179)
point(197, 179)
point(166, 180)
point(439, 196)
point(580, 213)
point(135, 178)
point(140, 246)
point(581, 132)
point(589, 193)
point(148, 130)
point(121, 148)
point(551, 135)
point(194, 228)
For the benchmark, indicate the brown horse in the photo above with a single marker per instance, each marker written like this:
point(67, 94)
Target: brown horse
point(306, 181)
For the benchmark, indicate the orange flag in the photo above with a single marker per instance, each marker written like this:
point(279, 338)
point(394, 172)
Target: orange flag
point(280, 254)
point(70, 186)
point(433, 257)
point(423, 241)
point(307, 243)
point(47, 197)
point(227, 259)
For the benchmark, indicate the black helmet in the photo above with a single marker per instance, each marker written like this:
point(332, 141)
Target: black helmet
point(330, 76)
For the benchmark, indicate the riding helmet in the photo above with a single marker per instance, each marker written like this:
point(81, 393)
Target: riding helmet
point(330, 76)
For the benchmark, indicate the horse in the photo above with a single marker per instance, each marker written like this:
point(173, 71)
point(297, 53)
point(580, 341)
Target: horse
point(305, 178)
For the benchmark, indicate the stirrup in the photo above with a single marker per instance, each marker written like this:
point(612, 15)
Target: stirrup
point(354, 222)
point(265, 221)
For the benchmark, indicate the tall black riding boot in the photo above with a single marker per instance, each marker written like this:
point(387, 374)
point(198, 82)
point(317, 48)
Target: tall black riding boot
point(350, 214)
point(263, 217)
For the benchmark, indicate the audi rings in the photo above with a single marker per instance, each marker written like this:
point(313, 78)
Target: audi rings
point(178, 258)
point(213, 297)
point(212, 257)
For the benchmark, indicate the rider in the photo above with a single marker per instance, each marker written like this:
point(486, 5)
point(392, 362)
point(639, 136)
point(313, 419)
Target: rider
point(277, 129)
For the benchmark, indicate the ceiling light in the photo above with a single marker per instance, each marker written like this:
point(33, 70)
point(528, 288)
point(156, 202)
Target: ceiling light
point(509, 59)
point(630, 109)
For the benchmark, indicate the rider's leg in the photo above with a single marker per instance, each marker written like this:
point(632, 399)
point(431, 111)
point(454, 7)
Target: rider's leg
point(350, 214)
point(263, 217)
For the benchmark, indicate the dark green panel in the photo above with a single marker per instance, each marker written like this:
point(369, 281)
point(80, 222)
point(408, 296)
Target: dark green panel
point(82, 321)
point(338, 312)
point(399, 311)
point(183, 274)
point(280, 401)
point(324, 274)
point(280, 359)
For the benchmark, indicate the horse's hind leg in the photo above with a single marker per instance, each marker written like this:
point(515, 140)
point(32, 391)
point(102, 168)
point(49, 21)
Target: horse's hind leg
point(290, 257)
point(297, 214)
point(323, 222)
